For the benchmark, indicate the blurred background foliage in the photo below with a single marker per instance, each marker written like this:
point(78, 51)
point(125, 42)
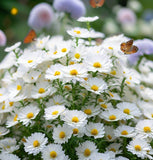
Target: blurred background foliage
point(14, 22)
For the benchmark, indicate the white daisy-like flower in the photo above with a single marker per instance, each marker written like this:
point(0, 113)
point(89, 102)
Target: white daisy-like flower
point(121, 158)
point(109, 133)
point(3, 94)
point(35, 143)
point(74, 118)
point(87, 19)
point(61, 134)
point(8, 145)
point(124, 131)
point(114, 147)
point(144, 128)
point(54, 72)
point(27, 114)
point(86, 150)
point(91, 110)
point(95, 129)
point(55, 100)
point(41, 42)
point(105, 106)
point(75, 71)
point(53, 112)
point(96, 85)
point(6, 156)
point(53, 152)
point(100, 62)
point(12, 119)
point(5, 108)
point(139, 147)
point(78, 131)
point(15, 46)
point(100, 156)
point(111, 115)
point(41, 89)
point(94, 34)
point(3, 131)
point(129, 110)
point(146, 93)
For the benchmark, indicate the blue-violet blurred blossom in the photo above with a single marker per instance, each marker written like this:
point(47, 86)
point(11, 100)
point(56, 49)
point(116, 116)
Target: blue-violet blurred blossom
point(41, 16)
point(145, 47)
point(76, 8)
point(2, 38)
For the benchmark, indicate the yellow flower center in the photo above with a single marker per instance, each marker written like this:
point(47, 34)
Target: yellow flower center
point(14, 11)
point(111, 94)
point(113, 149)
point(3, 107)
point(19, 87)
point(126, 111)
point(15, 118)
point(94, 132)
point(100, 100)
point(71, 62)
point(147, 129)
point(124, 132)
point(104, 106)
point(112, 117)
point(87, 152)
point(110, 47)
point(74, 72)
point(36, 143)
point(77, 55)
point(63, 49)
point(75, 119)
point(113, 72)
point(55, 113)
point(30, 115)
point(41, 90)
point(62, 135)
point(30, 61)
point(75, 131)
point(53, 154)
point(55, 52)
point(109, 137)
point(137, 147)
point(11, 103)
point(88, 111)
point(23, 140)
point(94, 87)
point(128, 82)
point(57, 73)
point(77, 32)
point(1, 94)
point(97, 65)
point(130, 78)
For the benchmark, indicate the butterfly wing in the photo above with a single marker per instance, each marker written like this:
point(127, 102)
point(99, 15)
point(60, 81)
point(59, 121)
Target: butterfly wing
point(133, 50)
point(96, 3)
point(127, 46)
point(30, 37)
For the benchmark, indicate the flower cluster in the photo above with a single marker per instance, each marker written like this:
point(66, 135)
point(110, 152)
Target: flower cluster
point(75, 99)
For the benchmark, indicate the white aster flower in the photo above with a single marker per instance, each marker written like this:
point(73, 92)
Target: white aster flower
point(100, 62)
point(100, 156)
point(78, 131)
point(129, 110)
point(61, 134)
point(8, 145)
point(96, 85)
point(3, 94)
point(111, 115)
point(40, 43)
point(109, 133)
point(12, 48)
point(53, 152)
point(139, 147)
point(53, 112)
point(54, 72)
point(144, 128)
point(3, 131)
point(35, 143)
point(124, 131)
point(55, 100)
point(114, 147)
point(86, 150)
point(146, 93)
point(95, 129)
point(87, 19)
point(28, 113)
point(91, 110)
point(41, 89)
point(6, 156)
point(12, 119)
point(74, 118)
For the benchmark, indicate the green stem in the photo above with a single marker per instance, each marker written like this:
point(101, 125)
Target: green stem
point(122, 87)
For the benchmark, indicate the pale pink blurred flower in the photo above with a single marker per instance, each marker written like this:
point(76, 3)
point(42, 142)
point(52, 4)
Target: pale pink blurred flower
point(2, 38)
point(41, 16)
point(125, 16)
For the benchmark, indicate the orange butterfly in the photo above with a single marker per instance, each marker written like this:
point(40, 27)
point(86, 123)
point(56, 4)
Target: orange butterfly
point(96, 3)
point(128, 47)
point(30, 37)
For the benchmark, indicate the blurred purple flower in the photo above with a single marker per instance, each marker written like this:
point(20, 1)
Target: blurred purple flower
point(148, 15)
point(41, 16)
point(145, 47)
point(126, 15)
point(76, 8)
point(2, 38)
